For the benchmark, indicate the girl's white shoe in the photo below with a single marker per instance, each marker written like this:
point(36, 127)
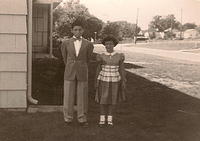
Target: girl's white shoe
point(110, 123)
point(102, 121)
point(110, 119)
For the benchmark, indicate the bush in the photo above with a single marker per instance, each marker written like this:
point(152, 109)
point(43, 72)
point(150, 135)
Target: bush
point(49, 71)
point(47, 81)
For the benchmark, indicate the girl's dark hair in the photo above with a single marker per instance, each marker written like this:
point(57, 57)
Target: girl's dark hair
point(110, 38)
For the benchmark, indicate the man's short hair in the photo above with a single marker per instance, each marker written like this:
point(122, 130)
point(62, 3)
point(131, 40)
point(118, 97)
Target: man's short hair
point(78, 22)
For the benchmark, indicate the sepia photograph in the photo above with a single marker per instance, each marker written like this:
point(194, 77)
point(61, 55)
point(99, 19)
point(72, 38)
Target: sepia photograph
point(99, 70)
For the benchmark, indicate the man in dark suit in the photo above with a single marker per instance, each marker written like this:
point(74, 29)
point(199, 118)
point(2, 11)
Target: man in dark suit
point(76, 53)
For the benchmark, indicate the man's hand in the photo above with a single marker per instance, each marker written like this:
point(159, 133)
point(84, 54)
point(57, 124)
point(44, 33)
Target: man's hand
point(124, 84)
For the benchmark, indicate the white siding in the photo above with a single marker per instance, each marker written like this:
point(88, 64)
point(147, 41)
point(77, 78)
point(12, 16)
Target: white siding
point(12, 99)
point(13, 7)
point(13, 81)
point(13, 24)
point(13, 62)
point(13, 53)
point(13, 43)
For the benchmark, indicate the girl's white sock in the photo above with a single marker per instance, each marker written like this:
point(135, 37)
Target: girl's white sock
point(102, 118)
point(110, 118)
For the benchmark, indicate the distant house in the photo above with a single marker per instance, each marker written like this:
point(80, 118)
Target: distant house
point(141, 33)
point(154, 34)
point(159, 35)
point(25, 29)
point(177, 33)
point(191, 34)
point(146, 34)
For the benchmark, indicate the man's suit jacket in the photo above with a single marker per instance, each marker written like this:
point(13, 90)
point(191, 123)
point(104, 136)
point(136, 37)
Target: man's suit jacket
point(76, 67)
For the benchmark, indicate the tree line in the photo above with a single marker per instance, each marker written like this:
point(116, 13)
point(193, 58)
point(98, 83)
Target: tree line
point(66, 14)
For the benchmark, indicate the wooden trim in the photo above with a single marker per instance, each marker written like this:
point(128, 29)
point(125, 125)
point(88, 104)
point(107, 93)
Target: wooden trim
point(2, 90)
point(14, 52)
point(13, 71)
point(29, 73)
point(13, 33)
point(15, 14)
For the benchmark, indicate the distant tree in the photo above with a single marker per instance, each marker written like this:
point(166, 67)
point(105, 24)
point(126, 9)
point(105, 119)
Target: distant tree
point(198, 28)
point(93, 25)
point(161, 24)
point(189, 26)
point(120, 29)
point(111, 28)
point(128, 30)
point(156, 23)
point(66, 14)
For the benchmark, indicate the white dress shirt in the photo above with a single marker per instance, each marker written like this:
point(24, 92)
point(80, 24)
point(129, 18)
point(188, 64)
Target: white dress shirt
point(77, 45)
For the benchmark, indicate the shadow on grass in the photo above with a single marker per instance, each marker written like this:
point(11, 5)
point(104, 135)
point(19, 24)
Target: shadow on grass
point(130, 66)
point(152, 112)
point(47, 82)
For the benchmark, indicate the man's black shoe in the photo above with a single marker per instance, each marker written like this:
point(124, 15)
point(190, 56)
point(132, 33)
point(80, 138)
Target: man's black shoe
point(84, 124)
point(68, 123)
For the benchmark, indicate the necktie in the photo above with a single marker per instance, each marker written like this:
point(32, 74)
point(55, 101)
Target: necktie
point(77, 39)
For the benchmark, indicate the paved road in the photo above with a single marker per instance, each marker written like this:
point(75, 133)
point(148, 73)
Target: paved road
point(180, 55)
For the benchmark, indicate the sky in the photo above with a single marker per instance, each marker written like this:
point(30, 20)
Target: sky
point(126, 10)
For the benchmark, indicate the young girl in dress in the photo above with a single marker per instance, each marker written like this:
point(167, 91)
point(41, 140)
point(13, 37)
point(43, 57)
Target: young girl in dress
point(111, 80)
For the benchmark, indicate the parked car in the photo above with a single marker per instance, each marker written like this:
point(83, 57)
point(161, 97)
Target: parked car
point(141, 38)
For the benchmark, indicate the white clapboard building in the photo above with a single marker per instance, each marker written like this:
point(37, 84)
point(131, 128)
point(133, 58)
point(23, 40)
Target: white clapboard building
point(25, 28)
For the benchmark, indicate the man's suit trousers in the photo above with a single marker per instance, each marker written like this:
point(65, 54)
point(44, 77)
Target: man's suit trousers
point(78, 89)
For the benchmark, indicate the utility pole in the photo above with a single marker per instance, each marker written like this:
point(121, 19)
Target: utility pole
point(135, 39)
point(181, 24)
point(171, 29)
point(95, 36)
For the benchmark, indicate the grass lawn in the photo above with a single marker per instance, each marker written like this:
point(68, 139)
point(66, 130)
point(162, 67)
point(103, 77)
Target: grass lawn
point(180, 75)
point(153, 111)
